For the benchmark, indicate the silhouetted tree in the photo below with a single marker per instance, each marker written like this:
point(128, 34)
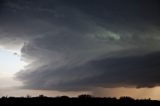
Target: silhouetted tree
point(4, 97)
point(28, 96)
point(85, 96)
point(64, 97)
point(41, 96)
point(126, 98)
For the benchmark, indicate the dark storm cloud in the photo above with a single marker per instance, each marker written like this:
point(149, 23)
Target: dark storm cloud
point(72, 45)
point(135, 71)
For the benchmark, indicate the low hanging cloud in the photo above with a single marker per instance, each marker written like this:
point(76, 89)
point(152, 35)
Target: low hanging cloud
point(135, 71)
point(84, 44)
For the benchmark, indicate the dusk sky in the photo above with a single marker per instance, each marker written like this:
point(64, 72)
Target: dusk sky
point(69, 47)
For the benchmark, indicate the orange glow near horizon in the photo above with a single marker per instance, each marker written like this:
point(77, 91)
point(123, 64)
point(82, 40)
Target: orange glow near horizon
point(141, 93)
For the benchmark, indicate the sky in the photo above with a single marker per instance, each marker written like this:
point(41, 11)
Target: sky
point(100, 47)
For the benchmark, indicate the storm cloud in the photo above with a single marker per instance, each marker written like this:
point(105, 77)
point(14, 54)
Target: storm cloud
point(129, 71)
point(79, 45)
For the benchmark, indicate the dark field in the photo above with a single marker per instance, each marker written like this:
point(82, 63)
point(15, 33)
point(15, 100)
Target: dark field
point(81, 100)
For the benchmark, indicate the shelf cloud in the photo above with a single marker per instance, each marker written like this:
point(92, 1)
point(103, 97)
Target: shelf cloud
point(79, 45)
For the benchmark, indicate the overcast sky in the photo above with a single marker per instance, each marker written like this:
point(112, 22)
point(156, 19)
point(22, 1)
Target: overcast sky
point(81, 45)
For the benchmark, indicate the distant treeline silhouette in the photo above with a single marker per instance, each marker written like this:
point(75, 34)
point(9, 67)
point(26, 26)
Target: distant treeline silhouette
point(80, 100)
